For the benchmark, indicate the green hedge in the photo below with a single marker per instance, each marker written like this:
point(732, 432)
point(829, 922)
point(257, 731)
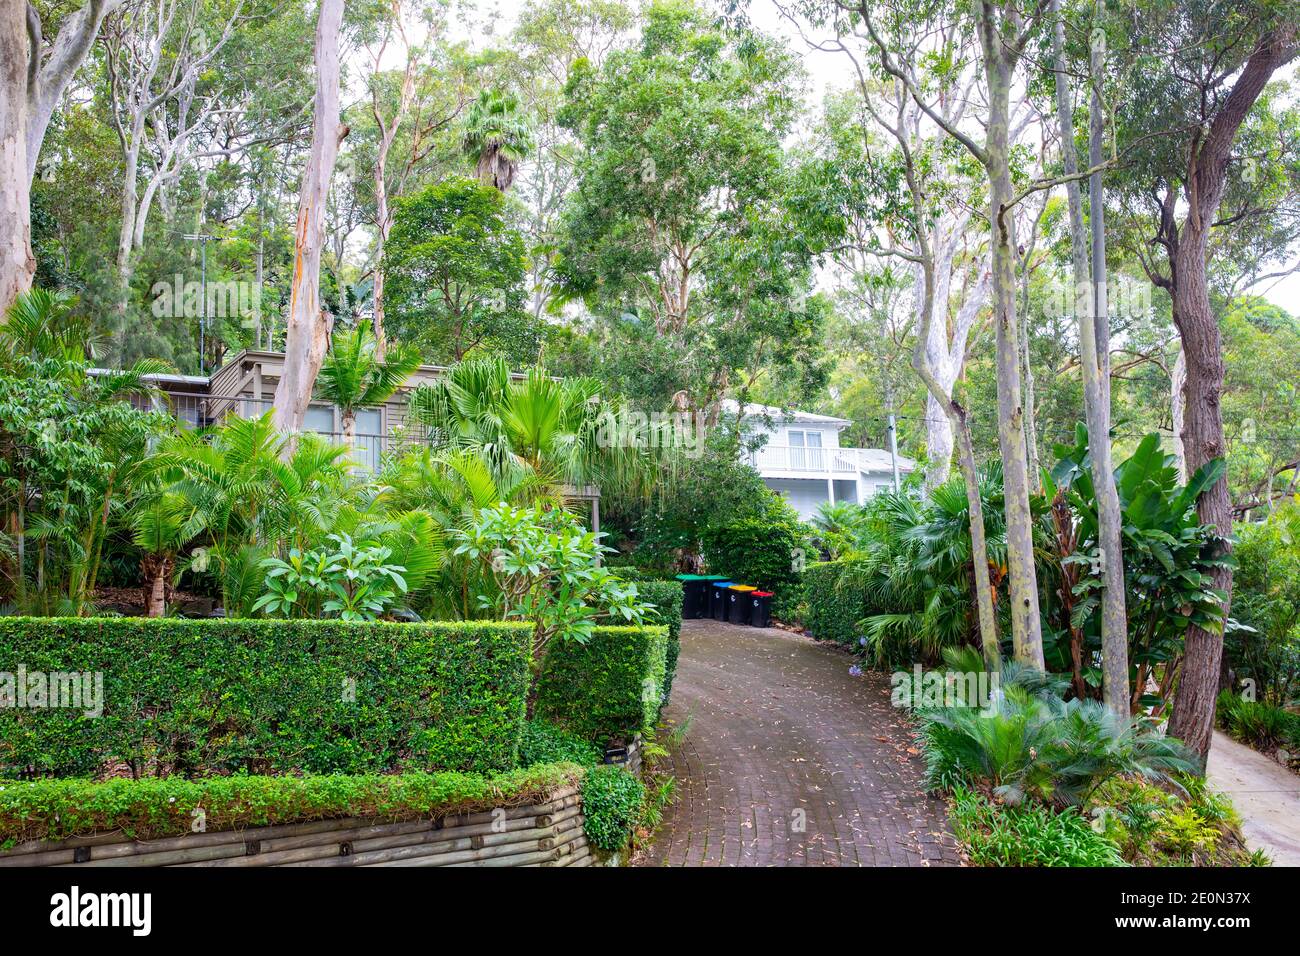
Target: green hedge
point(611, 805)
point(666, 596)
point(609, 687)
point(766, 551)
point(193, 698)
point(833, 602)
point(151, 809)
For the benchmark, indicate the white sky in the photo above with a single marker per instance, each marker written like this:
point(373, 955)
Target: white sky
point(484, 21)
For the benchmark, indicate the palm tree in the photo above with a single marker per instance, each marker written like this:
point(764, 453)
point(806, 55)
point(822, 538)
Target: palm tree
point(158, 529)
point(240, 495)
point(353, 375)
point(550, 429)
point(497, 138)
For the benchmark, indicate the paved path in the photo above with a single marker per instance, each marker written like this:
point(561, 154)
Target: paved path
point(790, 761)
point(1266, 795)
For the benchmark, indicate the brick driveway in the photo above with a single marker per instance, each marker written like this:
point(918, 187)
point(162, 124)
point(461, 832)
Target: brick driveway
point(781, 735)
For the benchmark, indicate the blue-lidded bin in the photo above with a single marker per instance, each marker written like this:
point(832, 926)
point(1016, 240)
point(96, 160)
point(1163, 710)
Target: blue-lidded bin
point(719, 600)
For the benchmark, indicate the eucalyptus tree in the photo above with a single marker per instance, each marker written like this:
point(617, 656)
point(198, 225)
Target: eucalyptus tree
point(308, 325)
point(1090, 274)
point(35, 71)
point(679, 235)
point(886, 183)
point(1206, 68)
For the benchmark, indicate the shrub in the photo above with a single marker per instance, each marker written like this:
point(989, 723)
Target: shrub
point(543, 742)
point(834, 601)
point(765, 550)
point(611, 804)
point(196, 698)
point(1266, 600)
point(608, 688)
point(1259, 724)
point(1037, 745)
point(666, 599)
point(995, 834)
point(150, 809)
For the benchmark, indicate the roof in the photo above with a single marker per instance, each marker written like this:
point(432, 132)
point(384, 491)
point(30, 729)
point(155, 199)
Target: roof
point(877, 459)
point(782, 415)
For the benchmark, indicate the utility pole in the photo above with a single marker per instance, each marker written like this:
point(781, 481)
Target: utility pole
point(202, 239)
point(893, 437)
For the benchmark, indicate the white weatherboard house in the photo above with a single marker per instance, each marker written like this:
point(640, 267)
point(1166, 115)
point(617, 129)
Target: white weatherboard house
point(802, 458)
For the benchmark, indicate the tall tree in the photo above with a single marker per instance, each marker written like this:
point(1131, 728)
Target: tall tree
point(1090, 305)
point(33, 78)
point(308, 325)
point(498, 137)
point(1206, 66)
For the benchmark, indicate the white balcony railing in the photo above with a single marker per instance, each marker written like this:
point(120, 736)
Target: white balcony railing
point(812, 461)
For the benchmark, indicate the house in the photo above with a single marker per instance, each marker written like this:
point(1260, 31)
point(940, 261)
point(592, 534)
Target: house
point(245, 386)
point(802, 458)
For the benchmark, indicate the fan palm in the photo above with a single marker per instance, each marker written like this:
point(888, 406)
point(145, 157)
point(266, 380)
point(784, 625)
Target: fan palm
point(497, 138)
point(539, 426)
point(353, 376)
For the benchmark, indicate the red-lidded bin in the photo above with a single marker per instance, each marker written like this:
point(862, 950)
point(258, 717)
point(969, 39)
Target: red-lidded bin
point(760, 608)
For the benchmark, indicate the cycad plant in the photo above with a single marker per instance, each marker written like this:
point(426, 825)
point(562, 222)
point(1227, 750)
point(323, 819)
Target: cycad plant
point(157, 526)
point(353, 376)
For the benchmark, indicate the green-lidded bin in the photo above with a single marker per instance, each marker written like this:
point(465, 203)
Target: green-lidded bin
point(738, 599)
point(695, 600)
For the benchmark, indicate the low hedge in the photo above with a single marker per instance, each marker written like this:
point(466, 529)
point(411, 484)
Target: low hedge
point(666, 597)
point(608, 688)
point(156, 808)
point(612, 799)
point(834, 602)
point(195, 698)
point(996, 834)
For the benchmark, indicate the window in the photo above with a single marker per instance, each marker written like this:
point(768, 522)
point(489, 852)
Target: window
point(806, 450)
point(319, 418)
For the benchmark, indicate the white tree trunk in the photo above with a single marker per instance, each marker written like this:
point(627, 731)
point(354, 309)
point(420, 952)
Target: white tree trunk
point(1091, 310)
point(17, 264)
point(1177, 399)
point(309, 327)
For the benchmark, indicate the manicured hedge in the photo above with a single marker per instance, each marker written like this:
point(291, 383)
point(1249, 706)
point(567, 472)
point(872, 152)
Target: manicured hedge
point(611, 805)
point(155, 808)
point(666, 596)
point(609, 687)
point(833, 602)
point(193, 698)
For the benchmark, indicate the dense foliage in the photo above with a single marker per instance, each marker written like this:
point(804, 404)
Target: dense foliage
point(611, 804)
point(197, 698)
point(608, 688)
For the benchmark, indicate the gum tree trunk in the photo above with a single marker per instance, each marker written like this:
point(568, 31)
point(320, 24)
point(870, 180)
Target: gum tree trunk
point(1090, 304)
point(308, 328)
point(1022, 576)
point(17, 264)
point(1203, 440)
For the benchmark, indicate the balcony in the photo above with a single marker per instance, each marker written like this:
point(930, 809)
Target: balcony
point(804, 461)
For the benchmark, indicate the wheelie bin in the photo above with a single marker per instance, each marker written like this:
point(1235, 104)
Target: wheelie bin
point(739, 599)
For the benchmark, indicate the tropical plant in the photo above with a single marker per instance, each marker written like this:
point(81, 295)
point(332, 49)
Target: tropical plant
point(71, 454)
point(914, 567)
point(1265, 647)
point(1026, 744)
point(353, 376)
point(1169, 559)
point(498, 136)
point(353, 582)
point(543, 568)
point(533, 428)
point(157, 527)
point(243, 501)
